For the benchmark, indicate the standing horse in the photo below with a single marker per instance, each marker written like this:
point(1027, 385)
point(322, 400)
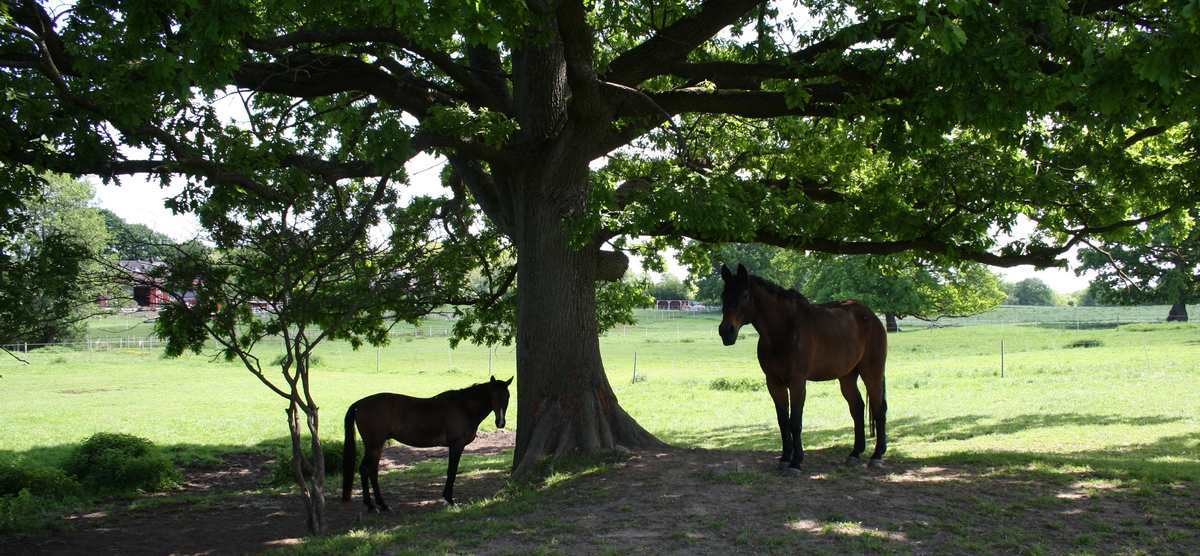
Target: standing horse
point(801, 341)
point(448, 419)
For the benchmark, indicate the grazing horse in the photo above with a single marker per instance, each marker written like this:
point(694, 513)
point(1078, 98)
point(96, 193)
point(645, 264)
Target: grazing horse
point(448, 419)
point(799, 341)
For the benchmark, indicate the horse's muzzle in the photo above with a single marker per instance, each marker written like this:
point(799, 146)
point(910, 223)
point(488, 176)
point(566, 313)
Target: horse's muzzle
point(499, 421)
point(728, 334)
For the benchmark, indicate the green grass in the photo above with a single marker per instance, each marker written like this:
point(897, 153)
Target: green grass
point(1133, 393)
point(1122, 409)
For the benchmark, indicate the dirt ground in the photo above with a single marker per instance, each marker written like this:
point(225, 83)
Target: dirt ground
point(233, 520)
point(684, 501)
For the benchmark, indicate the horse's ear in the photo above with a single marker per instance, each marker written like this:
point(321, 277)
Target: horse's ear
point(509, 381)
point(493, 379)
point(725, 274)
point(743, 274)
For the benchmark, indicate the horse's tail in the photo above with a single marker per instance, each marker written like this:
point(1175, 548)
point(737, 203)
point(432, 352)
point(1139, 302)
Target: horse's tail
point(348, 453)
point(870, 416)
point(882, 403)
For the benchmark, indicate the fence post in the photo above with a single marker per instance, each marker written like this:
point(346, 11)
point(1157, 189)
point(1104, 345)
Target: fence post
point(634, 381)
point(1001, 357)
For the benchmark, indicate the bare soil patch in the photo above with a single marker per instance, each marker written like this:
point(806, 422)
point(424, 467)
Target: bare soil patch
point(679, 501)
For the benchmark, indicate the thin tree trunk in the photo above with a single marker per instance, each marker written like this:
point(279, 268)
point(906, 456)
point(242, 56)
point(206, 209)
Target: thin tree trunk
point(1178, 313)
point(311, 491)
point(565, 403)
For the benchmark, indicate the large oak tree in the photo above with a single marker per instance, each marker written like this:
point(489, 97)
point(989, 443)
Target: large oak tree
point(842, 127)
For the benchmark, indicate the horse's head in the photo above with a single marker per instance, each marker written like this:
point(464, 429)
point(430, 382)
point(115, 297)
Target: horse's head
point(499, 393)
point(737, 307)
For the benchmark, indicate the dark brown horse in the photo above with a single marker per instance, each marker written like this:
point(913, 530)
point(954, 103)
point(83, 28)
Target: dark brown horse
point(448, 419)
point(800, 341)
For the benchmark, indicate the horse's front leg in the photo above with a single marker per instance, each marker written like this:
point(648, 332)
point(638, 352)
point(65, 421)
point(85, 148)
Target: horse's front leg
point(456, 450)
point(779, 394)
point(796, 420)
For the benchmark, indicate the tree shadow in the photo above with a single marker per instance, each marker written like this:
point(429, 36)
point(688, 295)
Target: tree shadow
point(1167, 459)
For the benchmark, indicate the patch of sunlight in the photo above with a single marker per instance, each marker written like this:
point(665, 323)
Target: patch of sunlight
point(844, 529)
point(927, 474)
point(1087, 488)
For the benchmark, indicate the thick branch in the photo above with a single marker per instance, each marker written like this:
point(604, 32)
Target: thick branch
point(480, 88)
point(673, 43)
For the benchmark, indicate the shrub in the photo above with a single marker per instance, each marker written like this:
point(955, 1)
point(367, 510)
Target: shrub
point(120, 462)
point(38, 480)
point(282, 474)
point(1089, 343)
point(23, 511)
point(736, 384)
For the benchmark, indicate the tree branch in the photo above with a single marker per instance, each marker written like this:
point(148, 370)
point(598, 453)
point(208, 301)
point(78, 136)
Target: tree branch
point(673, 43)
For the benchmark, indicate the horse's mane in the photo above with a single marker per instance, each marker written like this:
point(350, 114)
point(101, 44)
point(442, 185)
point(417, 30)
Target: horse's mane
point(462, 393)
point(779, 291)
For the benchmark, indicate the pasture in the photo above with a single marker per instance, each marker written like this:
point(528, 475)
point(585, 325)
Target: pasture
point(1090, 442)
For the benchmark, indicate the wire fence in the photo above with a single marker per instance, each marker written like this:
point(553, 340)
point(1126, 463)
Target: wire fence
point(135, 332)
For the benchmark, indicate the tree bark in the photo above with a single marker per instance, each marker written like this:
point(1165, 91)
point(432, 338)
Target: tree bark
point(564, 400)
point(892, 325)
point(1178, 313)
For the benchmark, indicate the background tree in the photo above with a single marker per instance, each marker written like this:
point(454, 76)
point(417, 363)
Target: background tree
point(134, 242)
point(842, 127)
point(49, 278)
point(1160, 264)
point(901, 286)
point(1030, 291)
point(668, 286)
point(308, 270)
point(892, 286)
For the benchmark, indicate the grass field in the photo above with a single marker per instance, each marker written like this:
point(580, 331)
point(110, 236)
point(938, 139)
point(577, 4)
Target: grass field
point(1121, 411)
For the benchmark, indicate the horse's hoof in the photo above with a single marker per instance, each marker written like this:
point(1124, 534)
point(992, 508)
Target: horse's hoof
point(853, 461)
point(875, 463)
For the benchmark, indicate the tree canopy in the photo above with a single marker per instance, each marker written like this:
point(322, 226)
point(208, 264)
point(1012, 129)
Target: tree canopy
point(134, 241)
point(578, 127)
point(894, 286)
point(1157, 264)
point(49, 278)
point(1030, 291)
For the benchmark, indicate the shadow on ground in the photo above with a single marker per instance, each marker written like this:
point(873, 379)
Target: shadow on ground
point(727, 500)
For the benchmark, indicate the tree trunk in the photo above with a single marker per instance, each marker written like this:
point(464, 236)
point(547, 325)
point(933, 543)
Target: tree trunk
point(310, 476)
point(565, 403)
point(892, 325)
point(1178, 313)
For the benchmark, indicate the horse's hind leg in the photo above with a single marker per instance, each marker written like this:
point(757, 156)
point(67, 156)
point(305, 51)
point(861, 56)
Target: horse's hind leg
point(854, 400)
point(876, 395)
point(456, 450)
point(383, 507)
point(369, 471)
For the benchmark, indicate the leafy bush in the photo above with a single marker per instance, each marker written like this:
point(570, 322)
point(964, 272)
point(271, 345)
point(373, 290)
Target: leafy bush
point(736, 385)
point(1089, 343)
point(21, 512)
point(282, 474)
point(37, 480)
point(109, 462)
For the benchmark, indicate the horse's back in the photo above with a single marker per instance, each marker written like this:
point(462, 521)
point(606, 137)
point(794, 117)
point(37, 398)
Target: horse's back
point(853, 321)
point(418, 422)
